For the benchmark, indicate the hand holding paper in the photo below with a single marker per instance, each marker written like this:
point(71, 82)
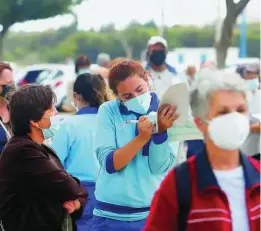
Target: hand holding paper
point(183, 127)
point(166, 117)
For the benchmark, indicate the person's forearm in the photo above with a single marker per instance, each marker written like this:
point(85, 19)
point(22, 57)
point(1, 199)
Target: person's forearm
point(125, 154)
point(255, 128)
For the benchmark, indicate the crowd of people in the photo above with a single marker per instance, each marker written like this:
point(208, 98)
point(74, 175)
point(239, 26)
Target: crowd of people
point(108, 169)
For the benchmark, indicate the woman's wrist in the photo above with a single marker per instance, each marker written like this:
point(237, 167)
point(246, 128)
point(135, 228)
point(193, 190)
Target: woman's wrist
point(143, 139)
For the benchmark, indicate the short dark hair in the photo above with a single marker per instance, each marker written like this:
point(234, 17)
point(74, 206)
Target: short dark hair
point(82, 61)
point(122, 70)
point(92, 88)
point(29, 103)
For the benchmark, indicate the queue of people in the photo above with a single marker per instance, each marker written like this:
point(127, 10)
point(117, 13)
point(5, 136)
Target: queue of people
point(112, 166)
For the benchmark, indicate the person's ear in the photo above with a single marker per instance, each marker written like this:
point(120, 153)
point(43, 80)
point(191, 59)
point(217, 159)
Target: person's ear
point(147, 76)
point(202, 125)
point(34, 123)
point(76, 96)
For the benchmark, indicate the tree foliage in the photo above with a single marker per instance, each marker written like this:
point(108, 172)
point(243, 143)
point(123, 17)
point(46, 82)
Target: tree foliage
point(57, 45)
point(13, 11)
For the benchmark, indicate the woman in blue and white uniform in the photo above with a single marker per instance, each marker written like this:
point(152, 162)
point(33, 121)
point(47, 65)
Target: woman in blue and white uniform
point(74, 140)
point(133, 160)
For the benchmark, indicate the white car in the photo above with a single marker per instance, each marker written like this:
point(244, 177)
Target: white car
point(232, 66)
point(243, 61)
point(55, 75)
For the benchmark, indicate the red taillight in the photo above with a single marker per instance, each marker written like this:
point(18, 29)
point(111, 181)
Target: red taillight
point(23, 82)
point(58, 83)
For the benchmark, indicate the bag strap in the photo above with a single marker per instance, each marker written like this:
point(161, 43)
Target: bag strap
point(183, 184)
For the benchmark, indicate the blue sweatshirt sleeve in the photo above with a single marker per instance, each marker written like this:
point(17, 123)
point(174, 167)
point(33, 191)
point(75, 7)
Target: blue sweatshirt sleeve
point(105, 140)
point(162, 156)
point(62, 142)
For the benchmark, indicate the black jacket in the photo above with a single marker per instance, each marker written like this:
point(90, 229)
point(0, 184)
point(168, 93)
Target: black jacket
point(34, 186)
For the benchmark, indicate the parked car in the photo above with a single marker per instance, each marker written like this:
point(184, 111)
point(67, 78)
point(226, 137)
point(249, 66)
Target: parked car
point(241, 62)
point(56, 75)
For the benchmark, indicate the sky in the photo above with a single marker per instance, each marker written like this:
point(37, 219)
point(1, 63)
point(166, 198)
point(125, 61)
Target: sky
point(95, 13)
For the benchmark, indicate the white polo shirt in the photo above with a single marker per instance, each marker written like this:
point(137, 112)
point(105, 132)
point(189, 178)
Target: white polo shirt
point(161, 81)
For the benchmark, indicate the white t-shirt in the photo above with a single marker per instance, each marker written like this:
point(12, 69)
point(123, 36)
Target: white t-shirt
point(161, 81)
point(233, 184)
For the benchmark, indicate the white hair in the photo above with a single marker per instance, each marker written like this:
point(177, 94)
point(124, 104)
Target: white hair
point(103, 59)
point(207, 83)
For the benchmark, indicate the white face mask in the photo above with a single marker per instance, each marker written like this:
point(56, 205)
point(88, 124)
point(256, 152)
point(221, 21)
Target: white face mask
point(139, 104)
point(229, 131)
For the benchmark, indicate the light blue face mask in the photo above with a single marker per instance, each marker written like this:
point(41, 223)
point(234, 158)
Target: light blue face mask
point(139, 104)
point(252, 84)
point(54, 127)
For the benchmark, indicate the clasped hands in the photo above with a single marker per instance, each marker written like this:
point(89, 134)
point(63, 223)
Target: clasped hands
point(72, 206)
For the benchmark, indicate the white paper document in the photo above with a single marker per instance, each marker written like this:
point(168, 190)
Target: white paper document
point(178, 95)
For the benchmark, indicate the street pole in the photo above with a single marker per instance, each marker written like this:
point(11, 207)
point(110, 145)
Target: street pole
point(243, 36)
point(219, 22)
point(162, 21)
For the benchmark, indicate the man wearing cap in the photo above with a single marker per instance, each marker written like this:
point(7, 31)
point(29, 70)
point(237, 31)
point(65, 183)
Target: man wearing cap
point(162, 74)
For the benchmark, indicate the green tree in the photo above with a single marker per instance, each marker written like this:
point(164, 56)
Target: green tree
point(108, 28)
point(56, 45)
point(150, 24)
point(13, 11)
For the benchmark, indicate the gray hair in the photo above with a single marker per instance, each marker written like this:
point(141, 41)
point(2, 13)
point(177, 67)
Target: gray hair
point(207, 83)
point(103, 59)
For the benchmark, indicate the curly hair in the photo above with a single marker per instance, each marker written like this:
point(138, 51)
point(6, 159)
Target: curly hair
point(122, 70)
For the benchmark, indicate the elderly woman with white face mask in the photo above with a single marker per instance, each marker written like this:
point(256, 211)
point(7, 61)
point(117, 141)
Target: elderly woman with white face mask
point(219, 187)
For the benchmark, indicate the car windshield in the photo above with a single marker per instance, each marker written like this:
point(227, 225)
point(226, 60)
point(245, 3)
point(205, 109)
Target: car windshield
point(31, 76)
point(43, 76)
point(36, 76)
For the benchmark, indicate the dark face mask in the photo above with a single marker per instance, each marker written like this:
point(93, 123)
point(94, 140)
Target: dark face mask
point(6, 90)
point(158, 57)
